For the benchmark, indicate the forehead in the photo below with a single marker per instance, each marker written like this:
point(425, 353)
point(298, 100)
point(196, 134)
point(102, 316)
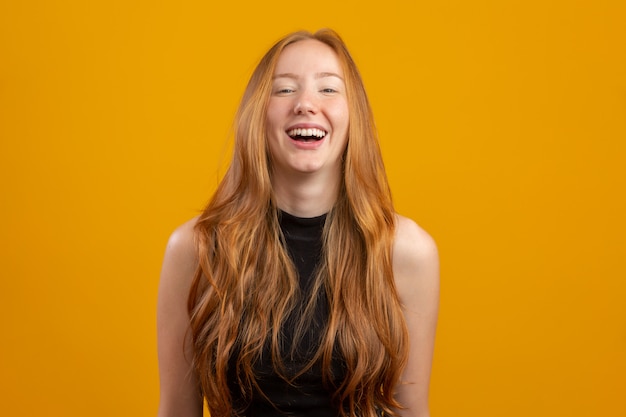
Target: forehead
point(308, 55)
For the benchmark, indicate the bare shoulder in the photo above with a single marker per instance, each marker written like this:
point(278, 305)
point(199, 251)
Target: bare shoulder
point(181, 243)
point(182, 238)
point(413, 247)
point(178, 381)
point(180, 261)
point(416, 274)
point(415, 259)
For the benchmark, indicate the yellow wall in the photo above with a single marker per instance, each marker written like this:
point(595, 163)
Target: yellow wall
point(503, 125)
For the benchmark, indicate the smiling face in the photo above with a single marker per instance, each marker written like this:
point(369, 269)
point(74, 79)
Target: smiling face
point(307, 115)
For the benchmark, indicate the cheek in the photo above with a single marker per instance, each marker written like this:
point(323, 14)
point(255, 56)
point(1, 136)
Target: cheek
point(271, 151)
point(341, 114)
point(272, 117)
point(343, 124)
point(270, 120)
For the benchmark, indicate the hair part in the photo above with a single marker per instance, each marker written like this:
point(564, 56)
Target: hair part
point(241, 296)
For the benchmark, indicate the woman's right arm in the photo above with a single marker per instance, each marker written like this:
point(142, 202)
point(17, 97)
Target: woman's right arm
point(179, 390)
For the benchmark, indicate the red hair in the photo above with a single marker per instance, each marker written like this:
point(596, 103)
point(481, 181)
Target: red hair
point(241, 295)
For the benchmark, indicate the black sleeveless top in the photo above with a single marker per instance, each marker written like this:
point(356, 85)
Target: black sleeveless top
point(308, 396)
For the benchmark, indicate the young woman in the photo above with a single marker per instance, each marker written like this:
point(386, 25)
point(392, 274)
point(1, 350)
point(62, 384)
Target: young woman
point(299, 291)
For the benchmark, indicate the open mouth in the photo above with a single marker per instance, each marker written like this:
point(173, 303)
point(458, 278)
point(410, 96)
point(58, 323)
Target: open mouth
point(307, 135)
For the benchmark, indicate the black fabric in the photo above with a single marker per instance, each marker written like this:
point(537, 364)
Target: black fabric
point(307, 396)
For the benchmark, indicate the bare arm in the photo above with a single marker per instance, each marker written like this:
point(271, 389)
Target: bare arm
point(178, 383)
point(416, 272)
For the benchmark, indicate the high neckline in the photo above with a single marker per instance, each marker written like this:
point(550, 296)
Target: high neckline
point(301, 228)
point(304, 221)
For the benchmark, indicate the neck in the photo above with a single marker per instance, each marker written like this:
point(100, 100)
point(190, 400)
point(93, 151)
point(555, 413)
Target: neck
point(305, 195)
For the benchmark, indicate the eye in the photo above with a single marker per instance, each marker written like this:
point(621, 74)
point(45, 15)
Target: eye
point(328, 90)
point(284, 90)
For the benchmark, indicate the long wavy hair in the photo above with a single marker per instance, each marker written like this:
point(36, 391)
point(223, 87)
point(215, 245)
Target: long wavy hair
point(246, 285)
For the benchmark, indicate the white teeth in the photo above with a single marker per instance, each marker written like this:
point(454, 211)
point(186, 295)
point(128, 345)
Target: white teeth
point(318, 133)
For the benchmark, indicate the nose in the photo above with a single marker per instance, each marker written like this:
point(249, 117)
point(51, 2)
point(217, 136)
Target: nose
point(305, 103)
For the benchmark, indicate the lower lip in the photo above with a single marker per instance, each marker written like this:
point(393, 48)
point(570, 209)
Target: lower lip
point(311, 145)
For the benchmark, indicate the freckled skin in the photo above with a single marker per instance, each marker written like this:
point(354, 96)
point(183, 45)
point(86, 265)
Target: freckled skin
point(304, 93)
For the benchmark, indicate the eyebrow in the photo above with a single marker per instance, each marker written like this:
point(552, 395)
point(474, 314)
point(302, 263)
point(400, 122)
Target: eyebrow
point(317, 75)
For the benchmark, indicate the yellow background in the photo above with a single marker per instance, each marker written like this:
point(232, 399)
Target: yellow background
point(503, 126)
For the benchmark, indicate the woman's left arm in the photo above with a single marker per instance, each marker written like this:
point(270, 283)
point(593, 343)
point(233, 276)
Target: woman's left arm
point(416, 273)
